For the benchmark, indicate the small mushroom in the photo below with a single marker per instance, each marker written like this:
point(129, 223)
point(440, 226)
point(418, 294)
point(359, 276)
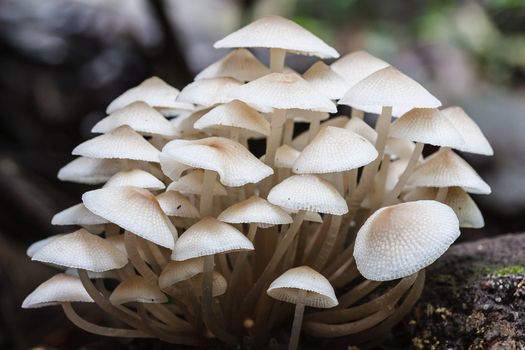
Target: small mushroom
point(77, 215)
point(209, 92)
point(91, 171)
point(239, 64)
point(175, 204)
point(137, 289)
point(326, 81)
point(135, 178)
point(356, 66)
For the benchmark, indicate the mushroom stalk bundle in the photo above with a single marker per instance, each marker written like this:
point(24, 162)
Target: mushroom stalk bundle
point(206, 243)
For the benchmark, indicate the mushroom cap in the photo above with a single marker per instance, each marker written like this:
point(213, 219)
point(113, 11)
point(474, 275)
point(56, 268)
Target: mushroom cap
point(333, 150)
point(58, 289)
point(475, 141)
point(219, 284)
point(285, 156)
point(356, 66)
point(153, 91)
point(359, 126)
point(119, 242)
point(278, 32)
point(90, 171)
point(283, 91)
point(77, 214)
point(191, 183)
point(255, 210)
point(326, 81)
point(121, 143)
point(35, 246)
point(301, 115)
point(239, 64)
point(465, 208)
point(178, 271)
point(389, 87)
point(399, 148)
point(175, 204)
point(310, 193)
point(183, 123)
point(235, 165)
point(426, 125)
point(207, 237)
point(302, 139)
point(137, 289)
point(209, 92)
point(446, 169)
point(135, 178)
point(135, 210)
point(399, 240)
point(288, 287)
point(81, 250)
point(234, 114)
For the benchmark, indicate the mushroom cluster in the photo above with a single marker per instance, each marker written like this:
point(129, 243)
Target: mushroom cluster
point(192, 239)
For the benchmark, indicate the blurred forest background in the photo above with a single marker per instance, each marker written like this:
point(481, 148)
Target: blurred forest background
point(63, 61)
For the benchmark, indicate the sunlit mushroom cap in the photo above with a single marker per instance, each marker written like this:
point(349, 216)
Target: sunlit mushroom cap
point(137, 289)
point(402, 239)
point(308, 192)
point(218, 287)
point(234, 114)
point(81, 250)
point(135, 178)
point(178, 271)
point(191, 183)
point(446, 169)
point(35, 246)
point(389, 87)
point(284, 91)
point(135, 210)
point(153, 91)
point(426, 125)
point(465, 208)
point(77, 215)
point(285, 156)
point(58, 289)
point(209, 236)
point(356, 66)
point(120, 143)
point(333, 150)
point(90, 171)
point(359, 126)
point(235, 165)
point(278, 32)
point(255, 210)
point(326, 81)
point(140, 117)
point(319, 291)
point(475, 141)
point(175, 204)
point(239, 64)
point(209, 92)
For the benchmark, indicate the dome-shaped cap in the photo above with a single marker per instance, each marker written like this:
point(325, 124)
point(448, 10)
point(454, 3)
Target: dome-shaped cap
point(135, 210)
point(239, 64)
point(209, 236)
point(175, 204)
point(178, 271)
point(77, 215)
point(90, 171)
point(399, 148)
point(359, 126)
point(465, 208)
point(402, 239)
point(81, 250)
point(278, 32)
point(235, 165)
point(120, 143)
point(137, 289)
point(58, 289)
point(285, 156)
point(255, 210)
point(218, 286)
point(119, 242)
point(319, 291)
point(475, 141)
point(209, 92)
point(325, 81)
point(234, 114)
point(153, 91)
point(140, 117)
point(389, 87)
point(446, 169)
point(301, 140)
point(426, 125)
point(35, 246)
point(333, 150)
point(191, 183)
point(135, 178)
point(308, 192)
point(283, 91)
point(356, 66)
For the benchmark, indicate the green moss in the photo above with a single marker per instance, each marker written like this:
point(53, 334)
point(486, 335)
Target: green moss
point(508, 270)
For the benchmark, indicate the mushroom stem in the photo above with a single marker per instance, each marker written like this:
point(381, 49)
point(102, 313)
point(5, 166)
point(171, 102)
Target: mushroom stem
point(288, 132)
point(403, 178)
point(297, 322)
point(313, 128)
point(356, 293)
point(379, 193)
point(277, 57)
point(274, 139)
point(352, 182)
point(130, 241)
point(441, 194)
point(206, 200)
point(316, 240)
point(234, 134)
point(167, 317)
point(357, 113)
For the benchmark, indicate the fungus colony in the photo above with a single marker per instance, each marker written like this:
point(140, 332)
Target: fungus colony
point(192, 239)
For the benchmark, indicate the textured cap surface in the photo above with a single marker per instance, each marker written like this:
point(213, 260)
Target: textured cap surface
point(135, 178)
point(326, 81)
point(177, 271)
point(57, 289)
point(137, 289)
point(255, 210)
point(356, 66)
point(191, 183)
point(77, 215)
point(175, 204)
point(90, 171)
point(359, 126)
point(239, 64)
point(209, 92)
